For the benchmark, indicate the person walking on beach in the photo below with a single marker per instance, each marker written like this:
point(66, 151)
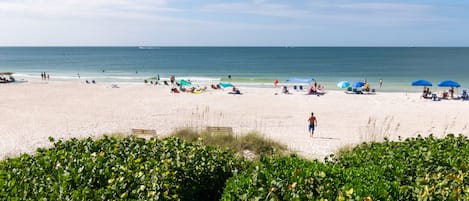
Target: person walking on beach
point(312, 124)
point(42, 76)
point(78, 75)
point(381, 83)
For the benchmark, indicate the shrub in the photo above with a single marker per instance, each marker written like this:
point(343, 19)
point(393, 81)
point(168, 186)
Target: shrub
point(413, 169)
point(118, 169)
point(252, 141)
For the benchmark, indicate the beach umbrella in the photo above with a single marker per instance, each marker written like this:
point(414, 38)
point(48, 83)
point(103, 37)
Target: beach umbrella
point(300, 80)
point(343, 84)
point(226, 84)
point(358, 84)
point(185, 83)
point(424, 83)
point(448, 83)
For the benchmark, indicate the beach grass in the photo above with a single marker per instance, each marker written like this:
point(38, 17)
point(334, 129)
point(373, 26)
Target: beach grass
point(253, 141)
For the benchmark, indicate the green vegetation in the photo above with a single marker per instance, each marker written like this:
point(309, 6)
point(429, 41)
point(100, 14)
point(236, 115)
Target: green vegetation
point(118, 169)
point(6, 73)
point(253, 142)
point(414, 169)
point(130, 168)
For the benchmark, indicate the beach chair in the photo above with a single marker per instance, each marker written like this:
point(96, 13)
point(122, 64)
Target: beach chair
point(219, 130)
point(464, 95)
point(145, 133)
point(445, 95)
point(435, 97)
point(349, 90)
point(356, 91)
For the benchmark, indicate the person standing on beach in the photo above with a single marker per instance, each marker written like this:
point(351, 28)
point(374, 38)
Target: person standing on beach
point(78, 75)
point(381, 83)
point(42, 76)
point(312, 124)
point(172, 79)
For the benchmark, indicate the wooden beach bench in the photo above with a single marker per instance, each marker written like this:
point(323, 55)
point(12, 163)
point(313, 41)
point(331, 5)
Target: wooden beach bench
point(144, 132)
point(219, 130)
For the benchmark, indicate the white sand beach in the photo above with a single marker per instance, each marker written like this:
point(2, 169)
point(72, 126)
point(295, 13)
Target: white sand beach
point(31, 112)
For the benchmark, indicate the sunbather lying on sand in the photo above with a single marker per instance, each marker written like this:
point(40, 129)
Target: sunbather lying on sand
point(235, 91)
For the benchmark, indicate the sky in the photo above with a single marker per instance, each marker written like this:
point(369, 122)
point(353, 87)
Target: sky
point(234, 23)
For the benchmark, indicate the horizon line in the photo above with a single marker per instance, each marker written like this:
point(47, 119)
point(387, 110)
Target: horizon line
point(218, 46)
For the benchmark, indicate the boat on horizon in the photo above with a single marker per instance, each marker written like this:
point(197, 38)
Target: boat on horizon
point(148, 48)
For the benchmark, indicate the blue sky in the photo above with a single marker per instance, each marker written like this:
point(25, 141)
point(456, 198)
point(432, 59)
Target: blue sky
point(234, 23)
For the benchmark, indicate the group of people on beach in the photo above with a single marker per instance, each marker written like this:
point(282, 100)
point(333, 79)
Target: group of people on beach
point(180, 86)
point(88, 82)
point(6, 78)
point(445, 95)
point(316, 88)
point(44, 76)
point(426, 92)
point(151, 82)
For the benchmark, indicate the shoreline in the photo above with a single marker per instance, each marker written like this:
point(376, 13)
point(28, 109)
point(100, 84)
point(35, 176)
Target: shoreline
point(35, 110)
point(388, 87)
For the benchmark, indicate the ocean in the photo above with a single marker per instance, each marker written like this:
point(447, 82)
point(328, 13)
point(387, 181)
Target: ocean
point(248, 66)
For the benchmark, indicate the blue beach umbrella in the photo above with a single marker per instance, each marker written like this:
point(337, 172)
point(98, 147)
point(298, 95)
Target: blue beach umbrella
point(226, 84)
point(343, 84)
point(358, 84)
point(424, 83)
point(300, 80)
point(448, 83)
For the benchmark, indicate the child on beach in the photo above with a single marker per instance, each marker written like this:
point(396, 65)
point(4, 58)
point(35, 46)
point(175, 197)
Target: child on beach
point(312, 124)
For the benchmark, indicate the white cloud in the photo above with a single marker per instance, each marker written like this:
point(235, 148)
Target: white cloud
point(319, 11)
point(147, 22)
point(83, 9)
point(258, 7)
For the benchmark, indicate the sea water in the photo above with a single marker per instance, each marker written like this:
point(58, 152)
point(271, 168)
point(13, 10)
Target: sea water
point(248, 66)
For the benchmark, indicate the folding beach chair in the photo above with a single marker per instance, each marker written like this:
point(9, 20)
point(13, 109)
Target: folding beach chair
point(464, 95)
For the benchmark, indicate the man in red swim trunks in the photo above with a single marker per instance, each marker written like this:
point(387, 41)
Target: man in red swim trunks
point(312, 124)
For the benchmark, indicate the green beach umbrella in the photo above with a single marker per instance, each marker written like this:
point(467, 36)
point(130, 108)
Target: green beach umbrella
point(185, 83)
point(226, 84)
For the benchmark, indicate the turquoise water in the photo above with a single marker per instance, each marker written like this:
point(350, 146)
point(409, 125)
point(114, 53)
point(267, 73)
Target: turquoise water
point(258, 66)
